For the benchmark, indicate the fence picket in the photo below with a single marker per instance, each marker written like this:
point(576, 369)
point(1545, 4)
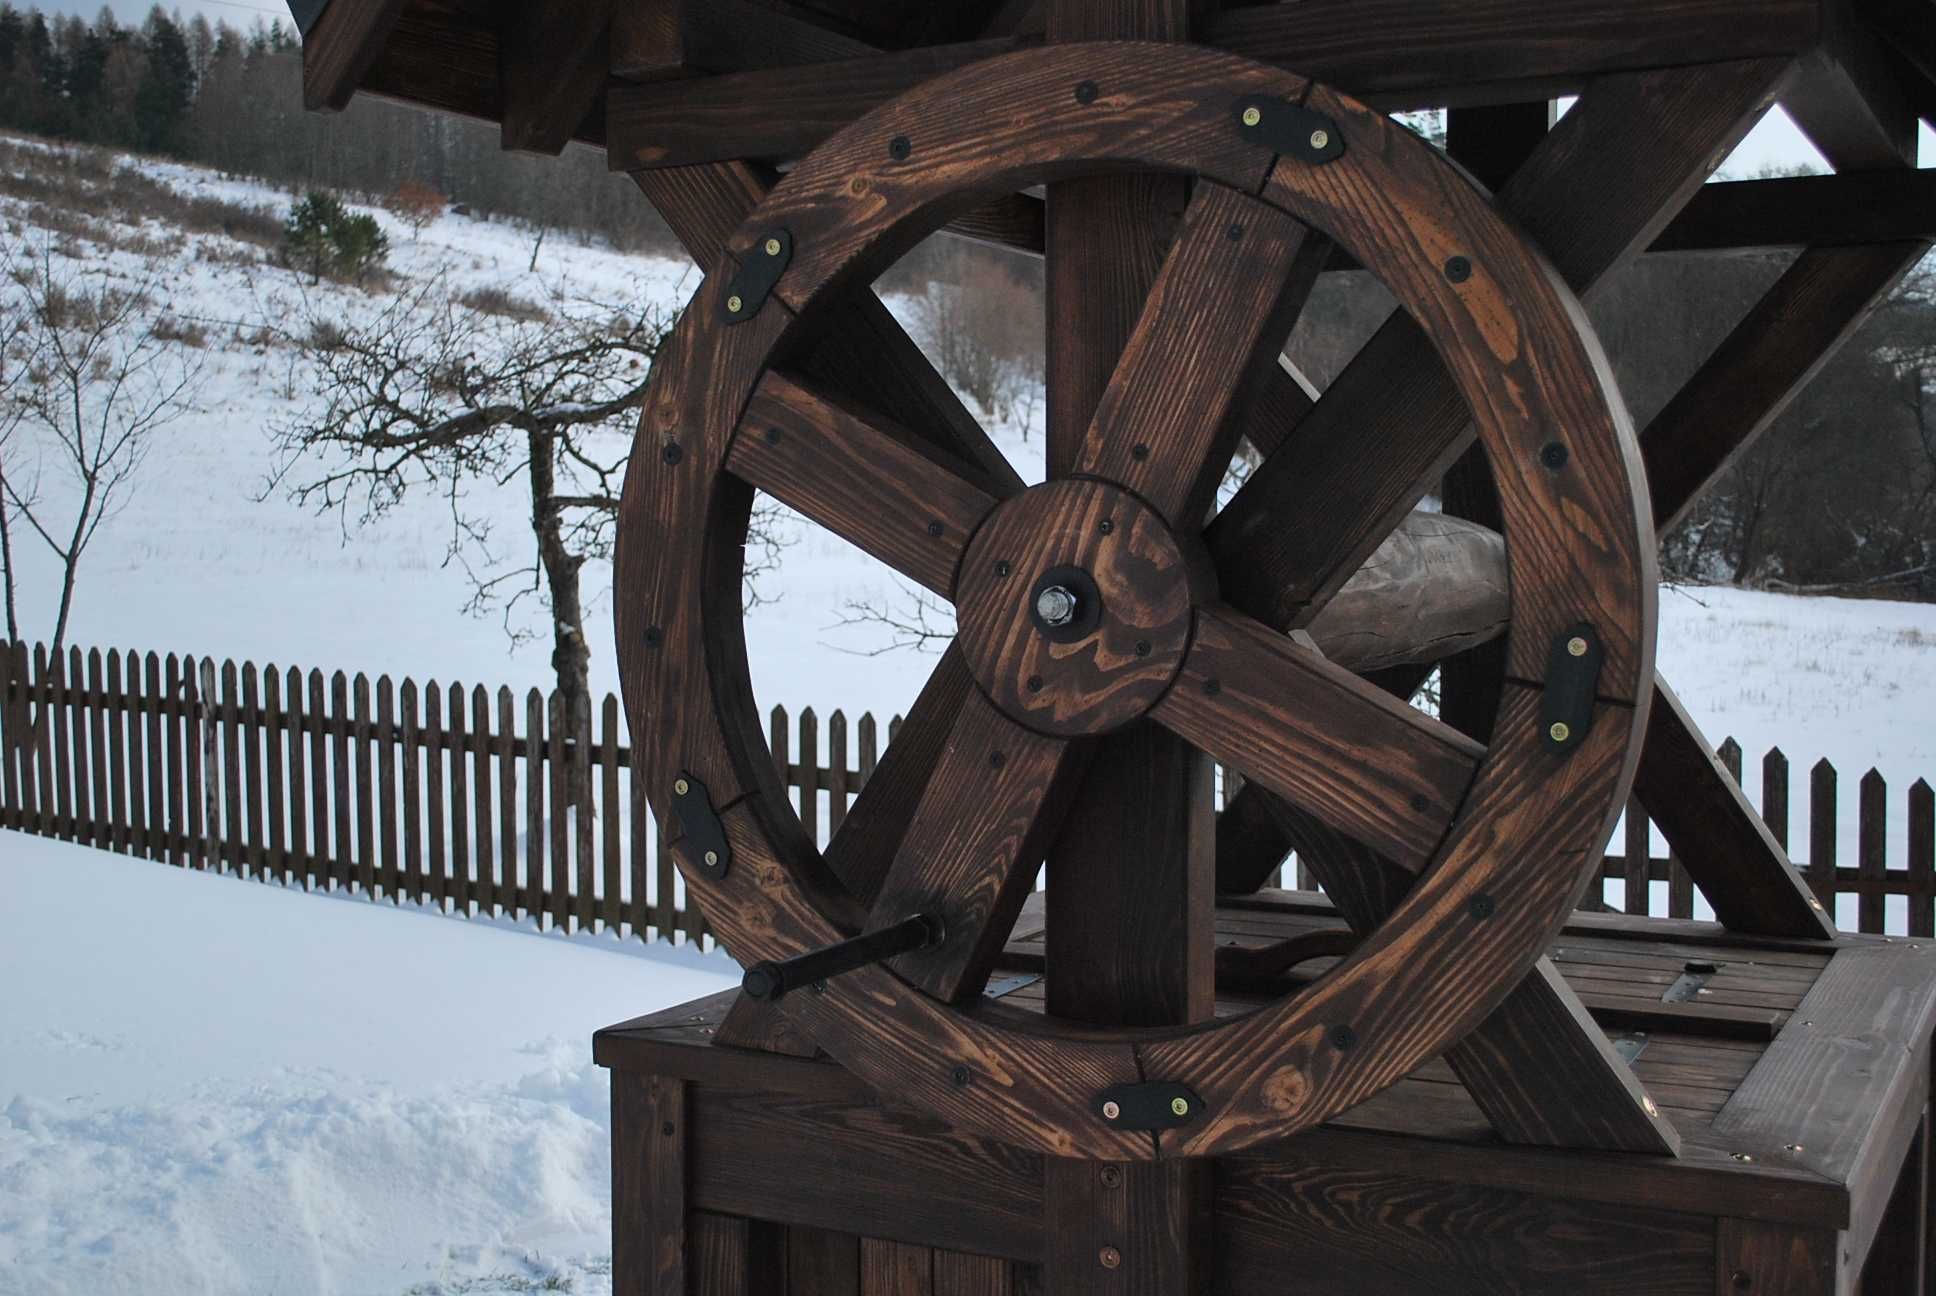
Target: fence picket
point(76, 694)
point(560, 822)
point(319, 799)
point(232, 829)
point(414, 889)
point(104, 817)
point(202, 816)
point(386, 783)
point(1922, 860)
point(13, 711)
point(1639, 847)
point(1774, 794)
point(177, 753)
point(53, 710)
point(534, 808)
point(507, 774)
point(611, 911)
point(298, 789)
point(581, 825)
point(805, 771)
point(153, 703)
point(252, 770)
point(340, 777)
point(461, 889)
point(1871, 825)
point(480, 739)
point(836, 771)
point(137, 780)
point(1821, 833)
point(360, 742)
point(432, 730)
point(272, 733)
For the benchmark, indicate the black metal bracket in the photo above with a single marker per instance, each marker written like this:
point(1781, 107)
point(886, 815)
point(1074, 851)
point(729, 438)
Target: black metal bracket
point(1572, 681)
point(748, 290)
point(1288, 129)
point(1687, 986)
point(1153, 1105)
point(770, 980)
point(704, 836)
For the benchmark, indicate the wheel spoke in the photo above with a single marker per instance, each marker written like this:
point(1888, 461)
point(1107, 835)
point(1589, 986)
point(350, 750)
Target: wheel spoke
point(978, 835)
point(1319, 736)
point(861, 477)
point(1227, 297)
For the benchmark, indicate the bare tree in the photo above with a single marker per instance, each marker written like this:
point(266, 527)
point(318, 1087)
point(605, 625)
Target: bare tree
point(91, 383)
point(433, 394)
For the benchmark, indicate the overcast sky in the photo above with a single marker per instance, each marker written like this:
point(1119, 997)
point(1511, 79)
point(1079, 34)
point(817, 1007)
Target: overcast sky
point(1775, 142)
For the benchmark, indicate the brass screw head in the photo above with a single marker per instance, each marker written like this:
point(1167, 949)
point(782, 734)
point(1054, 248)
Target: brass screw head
point(1320, 139)
point(1181, 1106)
point(1648, 1103)
point(1110, 1257)
point(712, 859)
point(1560, 731)
point(773, 247)
point(733, 303)
point(681, 786)
point(1110, 1111)
point(1577, 646)
point(1252, 116)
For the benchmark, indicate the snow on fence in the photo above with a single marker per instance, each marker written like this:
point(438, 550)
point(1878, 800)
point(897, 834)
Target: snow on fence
point(437, 795)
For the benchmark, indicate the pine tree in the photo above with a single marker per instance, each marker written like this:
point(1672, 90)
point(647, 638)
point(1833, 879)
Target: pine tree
point(167, 85)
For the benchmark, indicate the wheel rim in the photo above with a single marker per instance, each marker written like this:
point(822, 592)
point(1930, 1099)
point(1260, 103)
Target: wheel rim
point(1501, 837)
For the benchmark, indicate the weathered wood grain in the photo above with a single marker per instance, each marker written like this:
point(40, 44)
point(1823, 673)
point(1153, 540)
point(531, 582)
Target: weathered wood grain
point(342, 46)
point(552, 62)
point(1773, 1260)
point(1136, 1228)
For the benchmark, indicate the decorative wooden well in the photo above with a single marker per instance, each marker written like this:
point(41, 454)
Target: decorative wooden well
point(1437, 1075)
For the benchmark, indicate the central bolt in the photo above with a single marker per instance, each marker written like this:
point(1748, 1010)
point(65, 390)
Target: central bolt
point(1056, 606)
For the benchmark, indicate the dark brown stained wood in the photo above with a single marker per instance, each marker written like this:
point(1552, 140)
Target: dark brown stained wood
point(611, 910)
point(534, 808)
point(895, 1268)
point(341, 47)
point(1871, 858)
point(1361, 1228)
point(660, 39)
point(1250, 845)
point(1803, 211)
point(481, 748)
point(552, 60)
point(1822, 802)
point(1141, 1227)
point(870, 485)
point(662, 1145)
point(1210, 319)
point(822, 1262)
point(442, 54)
point(137, 834)
point(1922, 858)
point(74, 689)
point(154, 719)
point(460, 811)
point(13, 722)
point(413, 884)
point(105, 812)
point(733, 1257)
point(388, 875)
point(319, 803)
point(956, 1274)
point(53, 721)
point(1649, 138)
point(1846, 96)
point(233, 845)
point(975, 1194)
point(1138, 949)
point(1319, 736)
point(298, 800)
point(1404, 54)
point(634, 1140)
point(251, 769)
point(1015, 221)
point(507, 802)
point(1775, 1260)
point(751, 1024)
point(272, 723)
point(558, 824)
point(1780, 345)
point(682, 123)
point(1715, 832)
point(969, 856)
point(365, 811)
point(343, 861)
point(1897, 1261)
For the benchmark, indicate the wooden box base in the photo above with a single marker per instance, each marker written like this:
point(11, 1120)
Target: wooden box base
point(1799, 1083)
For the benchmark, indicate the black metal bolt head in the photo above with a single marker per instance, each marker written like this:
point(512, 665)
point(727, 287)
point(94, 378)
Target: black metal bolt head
point(1106, 526)
point(666, 1129)
point(1458, 269)
point(1554, 455)
point(1139, 452)
point(1086, 92)
point(996, 760)
point(1235, 232)
point(935, 529)
point(1343, 1037)
point(1419, 804)
point(654, 636)
point(1035, 683)
point(959, 1076)
point(1002, 567)
point(773, 436)
point(899, 147)
point(1482, 906)
point(1142, 648)
point(672, 454)
point(1213, 687)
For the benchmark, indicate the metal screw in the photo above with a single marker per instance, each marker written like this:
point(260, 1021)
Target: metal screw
point(1560, 731)
point(1320, 139)
point(1458, 269)
point(1742, 1156)
point(672, 454)
point(959, 1075)
point(1648, 1103)
point(773, 435)
point(773, 247)
point(1741, 1280)
point(1180, 1106)
point(1576, 646)
point(1110, 1111)
point(1105, 526)
point(1142, 648)
point(1420, 803)
point(681, 786)
point(733, 303)
point(1056, 606)
point(935, 529)
point(1112, 1177)
point(1035, 683)
point(1343, 1037)
point(1482, 906)
point(899, 147)
point(1234, 233)
point(1002, 568)
point(996, 760)
point(1252, 116)
point(1139, 452)
point(653, 636)
point(1085, 92)
point(1110, 1257)
point(1213, 687)
point(1793, 1147)
point(712, 859)
point(1554, 455)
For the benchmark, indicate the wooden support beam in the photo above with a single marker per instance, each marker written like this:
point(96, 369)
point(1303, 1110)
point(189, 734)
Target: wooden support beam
point(656, 40)
point(341, 47)
point(1847, 97)
point(1784, 340)
point(552, 60)
point(1141, 1227)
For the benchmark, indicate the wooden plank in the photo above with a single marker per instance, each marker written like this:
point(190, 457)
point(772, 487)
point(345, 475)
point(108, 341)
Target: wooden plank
point(507, 775)
point(1897, 1262)
point(321, 869)
point(613, 912)
point(1847, 98)
point(959, 1274)
point(1775, 1260)
point(895, 1268)
point(54, 720)
point(1715, 833)
point(74, 691)
point(1639, 848)
point(435, 826)
point(154, 719)
point(1822, 801)
point(273, 727)
point(251, 773)
point(822, 1262)
point(234, 842)
point(559, 823)
point(534, 807)
point(1774, 795)
point(1139, 1227)
point(341, 47)
point(727, 1256)
point(836, 770)
point(388, 875)
point(481, 740)
point(1799, 324)
point(582, 826)
point(804, 774)
point(1806, 211)
point(106, 815)
point(342, 780)
point(1872, 828)
point(650, 1138)
point(365, 809)
point(298, 783)
point(1922, 859)
point(414, 886)
point(672, 38)
point(13, 723)
point(552, 61)
point(461, 888)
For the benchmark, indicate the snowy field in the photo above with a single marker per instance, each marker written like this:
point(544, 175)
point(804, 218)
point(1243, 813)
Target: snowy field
point(213, 1087)
point(222, 1088)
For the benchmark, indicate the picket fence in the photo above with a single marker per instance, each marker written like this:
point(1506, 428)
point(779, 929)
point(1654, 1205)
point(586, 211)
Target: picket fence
point(437, 795)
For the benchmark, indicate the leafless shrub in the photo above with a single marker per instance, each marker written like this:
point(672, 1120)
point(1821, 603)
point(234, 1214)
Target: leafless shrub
point(415, 204)
point(984, 332)
point(493, 300)
point(173, 328)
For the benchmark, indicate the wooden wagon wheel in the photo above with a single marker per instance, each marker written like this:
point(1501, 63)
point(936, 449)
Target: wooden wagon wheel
point(1088, 602)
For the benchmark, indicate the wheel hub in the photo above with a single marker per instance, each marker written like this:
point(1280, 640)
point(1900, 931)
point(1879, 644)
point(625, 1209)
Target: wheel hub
point(1074, 605)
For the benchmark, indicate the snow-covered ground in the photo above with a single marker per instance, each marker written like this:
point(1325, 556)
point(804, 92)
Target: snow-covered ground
point(208, 1086)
